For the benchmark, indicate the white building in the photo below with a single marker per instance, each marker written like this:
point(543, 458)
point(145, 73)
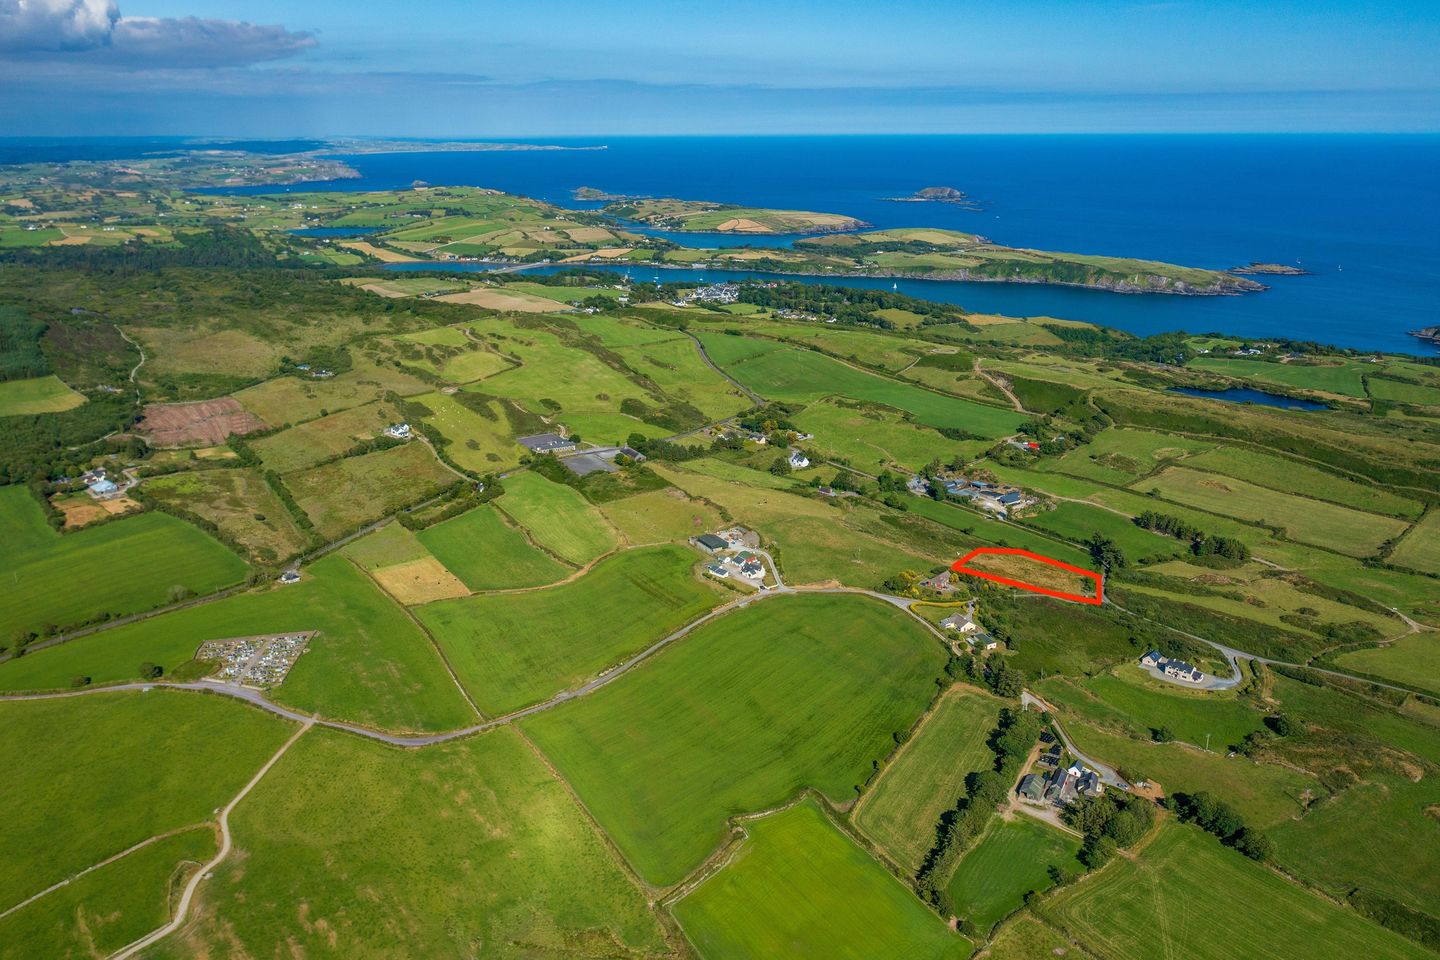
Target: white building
point(798, 460)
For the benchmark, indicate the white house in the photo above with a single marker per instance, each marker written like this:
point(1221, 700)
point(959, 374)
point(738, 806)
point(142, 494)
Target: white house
point(798, 460)
point(399, 431)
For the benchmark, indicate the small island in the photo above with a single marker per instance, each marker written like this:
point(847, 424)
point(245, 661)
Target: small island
point(938, 195)
point(1270, 270)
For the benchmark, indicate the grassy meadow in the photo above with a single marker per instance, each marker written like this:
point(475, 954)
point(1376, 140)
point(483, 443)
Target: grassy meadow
point(740, 715)
point(558, 518)
point(129, 565)
point(422, 850)
point(370, 663)
point(342, 496)
point(488, 553)
point(47, 394)
point(902, 807)
point(799, 888)
point(1187, 895)
point(1334, 527)
point(240, 503)
point(96, 766)
point(307, 444)
point(512, 649)
point(659, 516)
point(1011, 859)
point(1420, 548)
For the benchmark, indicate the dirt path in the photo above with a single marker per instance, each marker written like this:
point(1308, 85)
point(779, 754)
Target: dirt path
point(136, 344)
point(755, 398)
point(96, 866)
point(183, 909)
point(1000, 385)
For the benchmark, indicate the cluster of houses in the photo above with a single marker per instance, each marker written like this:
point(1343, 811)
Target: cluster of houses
point(1059, 786)
point(99, 485)
point(967, 627)
point(999, 497)
point(742, 564)
point(1171, 669)
point(716, 293)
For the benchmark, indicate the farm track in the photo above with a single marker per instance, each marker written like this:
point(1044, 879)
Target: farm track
point(183, 908)
point(1000, 385)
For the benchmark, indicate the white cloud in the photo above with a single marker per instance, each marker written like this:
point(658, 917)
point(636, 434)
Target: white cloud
point(95, 31)
point(50, 25)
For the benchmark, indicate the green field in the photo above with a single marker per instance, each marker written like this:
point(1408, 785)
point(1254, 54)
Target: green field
point(1291, 477)
point(89, 777)
point(661, 515)
point(36, 395)
point(558, 518)
point(792, 692)
point(1027, 937)
point(871, 437)
point(1120, 455)
point(1413, 660)
point(103, 911)
point(512, 649)
point(370, 664)
point(487, 553)
point(465, 849)
point(902, 808)
point(1013, 858)
point(778, 372)
point(1187, 895)
point(1343, 377)
point(1129, 698)
point(1334, 845)
point(1420, 548)
point(53, 580)
point(482, 442)
point(309, 443)
point(799, 888)
point(385, 547)
point(1077, 522)
point(342, 496)
point(240, 503)
point(1338, 528)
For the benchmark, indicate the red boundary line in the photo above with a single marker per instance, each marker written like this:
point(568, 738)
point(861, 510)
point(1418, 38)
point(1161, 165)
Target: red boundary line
point(1099, 598)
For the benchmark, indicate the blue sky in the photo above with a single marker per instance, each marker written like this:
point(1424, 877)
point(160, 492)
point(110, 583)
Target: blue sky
point(477, 68)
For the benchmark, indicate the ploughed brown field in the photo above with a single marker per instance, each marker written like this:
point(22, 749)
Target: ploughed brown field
point(206, 422)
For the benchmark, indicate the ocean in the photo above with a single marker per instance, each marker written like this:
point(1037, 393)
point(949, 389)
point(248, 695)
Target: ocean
point(1361, 213)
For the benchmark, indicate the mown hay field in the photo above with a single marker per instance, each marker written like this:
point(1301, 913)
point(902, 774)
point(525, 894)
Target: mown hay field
point(1013, 858)
point(902, 808)
point(37, 395)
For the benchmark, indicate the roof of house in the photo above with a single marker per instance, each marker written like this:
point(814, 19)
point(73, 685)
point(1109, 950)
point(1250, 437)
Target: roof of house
point(103, 485)
point(1032, 786)
point(711, 541)
point(542, 442)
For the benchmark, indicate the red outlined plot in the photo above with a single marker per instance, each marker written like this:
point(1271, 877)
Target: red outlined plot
point(960, 567)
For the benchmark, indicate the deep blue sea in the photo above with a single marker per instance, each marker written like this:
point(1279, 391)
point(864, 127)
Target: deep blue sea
point(1362, 213)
